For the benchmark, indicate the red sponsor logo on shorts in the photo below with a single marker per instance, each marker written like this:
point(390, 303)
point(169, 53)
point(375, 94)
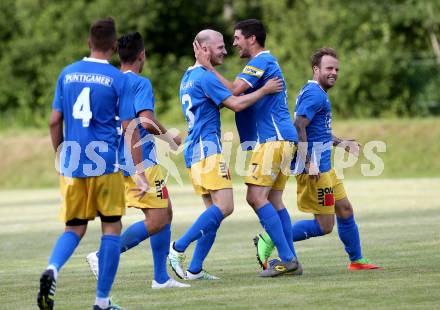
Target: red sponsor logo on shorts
point(325, 196)
point(164, 192)
point(329, 200)
point(161, 189)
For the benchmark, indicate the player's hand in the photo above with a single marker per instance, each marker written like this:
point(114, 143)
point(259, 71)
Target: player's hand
point(175, 140)
point(203, 56)
point(351, 146)
point(313, 171)
point(142, 185)
point(274, 85)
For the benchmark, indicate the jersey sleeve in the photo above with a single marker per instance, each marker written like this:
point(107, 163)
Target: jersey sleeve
point(309, 104)
point(253, 71)
point(126, 107)
point(57, 103)
point(144, 98)
point(214, 89)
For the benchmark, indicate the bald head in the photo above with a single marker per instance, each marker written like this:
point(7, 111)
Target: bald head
point(211, 41)
point(207, 36)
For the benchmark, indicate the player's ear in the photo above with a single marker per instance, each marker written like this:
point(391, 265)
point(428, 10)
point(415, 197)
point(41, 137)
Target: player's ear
point(115, 46)
point(89, 43)
point(141, 56)
point(315, 69)
point(204, 47)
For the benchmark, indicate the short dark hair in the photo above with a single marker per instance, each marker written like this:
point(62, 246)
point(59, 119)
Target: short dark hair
point(103, 34)
point(318, 54)
point(129, 47)
point(252, 27)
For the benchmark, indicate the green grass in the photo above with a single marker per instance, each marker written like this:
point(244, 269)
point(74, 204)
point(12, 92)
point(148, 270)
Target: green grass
point(412, 151)
point(398, 221)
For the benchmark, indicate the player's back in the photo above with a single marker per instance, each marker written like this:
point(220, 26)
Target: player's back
point(201, 94)
point(88, 94)
point(143, 100)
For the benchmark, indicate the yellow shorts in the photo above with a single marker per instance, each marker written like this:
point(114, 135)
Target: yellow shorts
point(270, 164)
point(319, 197)
point(210, 173)
point(157, 195)
point(83, 198)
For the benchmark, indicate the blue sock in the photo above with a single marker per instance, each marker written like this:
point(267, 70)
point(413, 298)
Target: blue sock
point(208, 221)
point(305, 229)
point(203, 246)
point(287, 227)
point(63, 249)
point(108, 261)
point(160, 245)
point(270, 221)
point(349, 235)
point(133, 235)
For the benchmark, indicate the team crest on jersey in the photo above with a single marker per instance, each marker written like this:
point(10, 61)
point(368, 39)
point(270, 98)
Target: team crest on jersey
point(253, 71)
point(325, 197)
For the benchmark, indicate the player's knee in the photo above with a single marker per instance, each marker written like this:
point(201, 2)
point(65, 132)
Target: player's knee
point(226, 208)
point(156, 225)
point(327, 228)
point(254, 201)
point(343, 208)
point(326, 222)
point(77, 226)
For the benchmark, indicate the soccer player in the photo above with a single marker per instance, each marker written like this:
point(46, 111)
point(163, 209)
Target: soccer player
point(155, 204)
point(202, 95)
point(89, 96)
point(319, 191)
point(270, 122)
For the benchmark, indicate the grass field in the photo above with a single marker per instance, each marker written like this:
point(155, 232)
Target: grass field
point(398, 221)
point(412, 150)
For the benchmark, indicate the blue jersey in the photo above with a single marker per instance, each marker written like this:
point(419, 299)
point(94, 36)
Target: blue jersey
point(247, 128)
point(201, 94)
point(272, 116)
point(143, 100)
point(313, 104)
point(91, 94)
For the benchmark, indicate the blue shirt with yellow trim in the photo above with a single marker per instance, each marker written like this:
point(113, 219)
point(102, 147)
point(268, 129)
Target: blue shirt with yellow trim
point(92, 95)
point(271, 113)
point(143, 100)
point(313, 103)
point(201, 94)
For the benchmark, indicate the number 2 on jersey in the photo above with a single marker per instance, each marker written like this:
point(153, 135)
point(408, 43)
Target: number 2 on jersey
point(81, 107)
point(187, 105)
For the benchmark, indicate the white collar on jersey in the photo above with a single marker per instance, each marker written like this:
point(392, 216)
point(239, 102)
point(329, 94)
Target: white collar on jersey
point(316, 82)
point(127, 71)
point(103, 61)
point(195, 66)
point(262, 52)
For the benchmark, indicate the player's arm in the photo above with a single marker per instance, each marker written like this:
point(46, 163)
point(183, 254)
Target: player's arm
point(132, 138)
point(349, 145)
point(239, 103)
point(237, 87)
point(56, 129)
point(153, 126)
point(301, 122)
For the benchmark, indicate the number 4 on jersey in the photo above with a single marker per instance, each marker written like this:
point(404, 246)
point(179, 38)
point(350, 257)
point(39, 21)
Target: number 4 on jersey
point(81, 108)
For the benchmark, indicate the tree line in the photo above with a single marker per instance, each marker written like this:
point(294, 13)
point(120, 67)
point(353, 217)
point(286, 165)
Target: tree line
point(389, 50)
